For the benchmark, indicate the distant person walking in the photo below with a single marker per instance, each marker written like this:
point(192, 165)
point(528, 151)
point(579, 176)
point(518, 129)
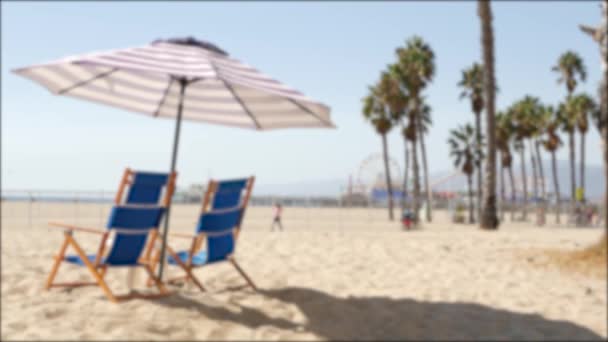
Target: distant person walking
point(277, 211)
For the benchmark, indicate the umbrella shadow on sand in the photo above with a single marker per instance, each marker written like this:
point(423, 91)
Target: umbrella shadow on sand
point(373, 318)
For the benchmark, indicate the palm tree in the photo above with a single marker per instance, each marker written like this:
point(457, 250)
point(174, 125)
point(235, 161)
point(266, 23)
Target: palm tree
point(425, 121)
point(489, 220)
point(583, 106)
point(534, 112)
point(519, 114)
point(552, 143)
point(600, 35)
point(406, 175)
point(415, 69)
point(463, 142)
point(567, 117)
point(376, 112)
point(540, 125)
point(519, 146)
point(528, 112)
point(571, 69)
point(472, 88)
point(504, 137)
point(400, 115)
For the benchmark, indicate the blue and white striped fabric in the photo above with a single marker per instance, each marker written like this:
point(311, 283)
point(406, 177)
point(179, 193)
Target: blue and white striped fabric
point(221, 89)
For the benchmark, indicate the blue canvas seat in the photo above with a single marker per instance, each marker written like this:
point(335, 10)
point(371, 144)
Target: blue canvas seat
point(132, 225)
point(217, 229)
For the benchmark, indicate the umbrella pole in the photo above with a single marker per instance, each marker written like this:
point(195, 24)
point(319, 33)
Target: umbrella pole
point(178, 123)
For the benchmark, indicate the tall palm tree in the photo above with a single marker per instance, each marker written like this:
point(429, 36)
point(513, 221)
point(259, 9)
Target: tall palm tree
point(583, 106)
point(406, 175)
point(400, 115)
point(518, 146)
point(415, 69)
point(567, 117)
point(540, 121)
point(535, 120)
point(472, 88)
point(463, 142)
point(540, 125)
point(519, 114)
point(376, 112)
point(600, 35)
point(504, 137)
point(552, 143)
point(489, 220)
point(571, 69)
point(424, 122)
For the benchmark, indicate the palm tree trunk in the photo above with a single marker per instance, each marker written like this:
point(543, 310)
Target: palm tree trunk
point(524, 182)
point(427, 187)
point(406, 173)
point(471, 205)
point(534, 171)
point(416, 194)
point(582, 166)
point(502, 190)
point(605, 144)
point(513, 192)
point(604, 138)
point(572, 172)
point(389, 187)
point(489, 220)
point(478, 166)
point(415, 168)
point(541, 170)
point(604, 112)
point(555, 187)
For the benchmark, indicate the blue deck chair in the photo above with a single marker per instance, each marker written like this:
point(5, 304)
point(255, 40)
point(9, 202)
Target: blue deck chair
point(133, 225)
point(219, 224)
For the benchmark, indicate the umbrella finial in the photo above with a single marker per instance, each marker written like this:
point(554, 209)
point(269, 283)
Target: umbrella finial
point(191, 41)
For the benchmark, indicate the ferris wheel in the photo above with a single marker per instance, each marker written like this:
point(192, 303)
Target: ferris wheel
point(371, 172)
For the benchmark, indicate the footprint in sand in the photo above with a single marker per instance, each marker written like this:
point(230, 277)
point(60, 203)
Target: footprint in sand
point(54, 313)
point(17, 326)
point(164, 330)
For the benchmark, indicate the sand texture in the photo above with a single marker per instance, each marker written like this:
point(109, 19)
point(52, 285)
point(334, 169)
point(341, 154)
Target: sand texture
point(333, 274)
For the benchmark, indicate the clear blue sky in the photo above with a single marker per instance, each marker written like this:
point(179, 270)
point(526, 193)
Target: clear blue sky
point(329, 51)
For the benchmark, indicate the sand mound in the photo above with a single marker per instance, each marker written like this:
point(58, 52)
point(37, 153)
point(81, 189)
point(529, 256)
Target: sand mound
point(590, 261)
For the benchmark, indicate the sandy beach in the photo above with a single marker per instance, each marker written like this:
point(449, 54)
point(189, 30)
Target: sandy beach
point(333, 274)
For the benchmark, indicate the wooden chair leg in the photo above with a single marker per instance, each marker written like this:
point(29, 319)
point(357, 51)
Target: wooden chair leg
point(161, 287)
point(103, 270)
point(186, 268)
point(91, 267)
point(154, 265)
point(58, 260)
point(243, 274)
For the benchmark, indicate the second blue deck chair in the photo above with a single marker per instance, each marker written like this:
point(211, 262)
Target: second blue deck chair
point(219, 223)
point(133, 226)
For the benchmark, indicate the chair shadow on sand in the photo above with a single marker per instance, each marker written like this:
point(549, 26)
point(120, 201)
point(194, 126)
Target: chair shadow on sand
point(382, 318)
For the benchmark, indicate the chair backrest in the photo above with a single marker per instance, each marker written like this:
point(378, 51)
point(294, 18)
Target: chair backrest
point(139, 214)
point(220, 224)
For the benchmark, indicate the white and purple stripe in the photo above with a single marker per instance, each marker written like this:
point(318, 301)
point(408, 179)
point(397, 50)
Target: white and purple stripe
point(142, 79)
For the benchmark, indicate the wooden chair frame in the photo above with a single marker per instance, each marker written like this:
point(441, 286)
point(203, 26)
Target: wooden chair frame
point(97, 269)
point(198, 240)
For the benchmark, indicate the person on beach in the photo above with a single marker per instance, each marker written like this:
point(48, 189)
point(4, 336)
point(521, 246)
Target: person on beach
point(277, 211)
point(406, 219)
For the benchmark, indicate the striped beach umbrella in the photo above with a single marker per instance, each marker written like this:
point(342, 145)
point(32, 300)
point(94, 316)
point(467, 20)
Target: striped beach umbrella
point(181, 79)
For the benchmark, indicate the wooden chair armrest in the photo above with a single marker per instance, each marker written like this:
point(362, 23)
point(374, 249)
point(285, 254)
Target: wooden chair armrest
point(77, 228)
point(181, 235)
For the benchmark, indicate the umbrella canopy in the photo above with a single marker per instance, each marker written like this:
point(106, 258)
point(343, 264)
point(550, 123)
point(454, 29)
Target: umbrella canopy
point(185, 79)
point(146, 79)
